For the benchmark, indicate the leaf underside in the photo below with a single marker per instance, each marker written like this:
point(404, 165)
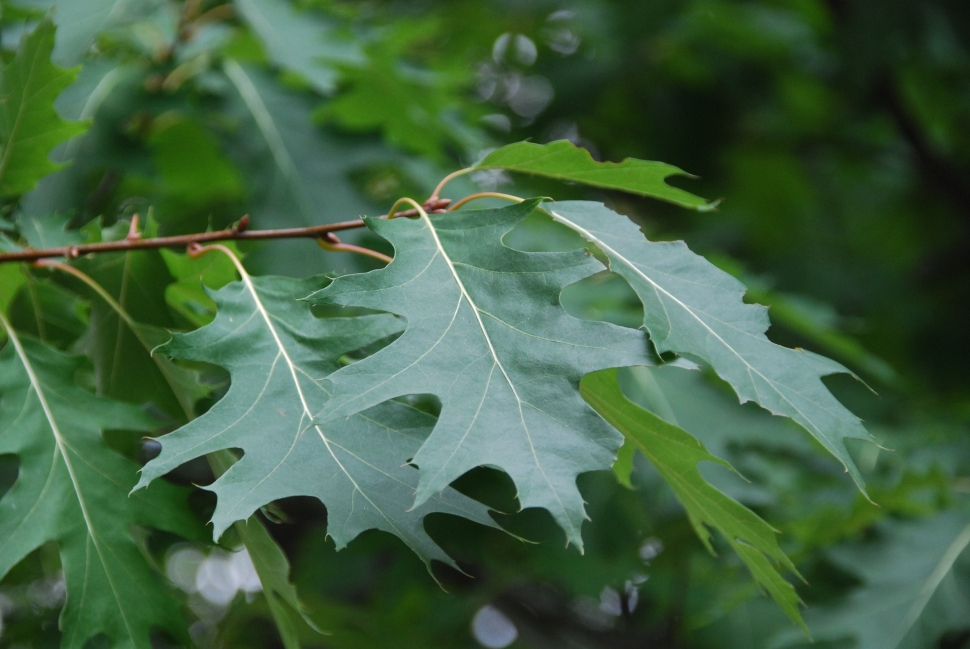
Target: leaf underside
point(692, 307)
point(487, 335)
point(913, 587)
point(278, 355)
point(73, 489)
point(675, 454)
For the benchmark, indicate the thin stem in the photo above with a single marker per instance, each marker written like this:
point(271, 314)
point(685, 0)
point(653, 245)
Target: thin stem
point(182, 241)
point(418, 210)
point(392, 213)
point(444, 181)
point(333, 244)
point(473, 197)
point(195, 251)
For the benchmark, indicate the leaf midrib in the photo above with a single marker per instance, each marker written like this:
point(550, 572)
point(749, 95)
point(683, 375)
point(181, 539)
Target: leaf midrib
point(933, 581)
point(61, 448)
point(4, 161)
point(271, 133)
point(612, 252)
point(260, 307)
point(495, 358)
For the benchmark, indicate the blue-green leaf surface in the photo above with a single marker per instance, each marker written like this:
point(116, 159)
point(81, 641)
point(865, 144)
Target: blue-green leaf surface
point(73, 489)
point(278, 355)
point(914, 587)
point(692, 307)
point(487, 335)
point(301, 42)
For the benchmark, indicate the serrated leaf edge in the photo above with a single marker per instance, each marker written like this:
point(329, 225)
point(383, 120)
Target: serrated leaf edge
point(614, 255)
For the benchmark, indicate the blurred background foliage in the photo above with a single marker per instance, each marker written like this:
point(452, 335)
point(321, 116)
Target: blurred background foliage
point(837, 133)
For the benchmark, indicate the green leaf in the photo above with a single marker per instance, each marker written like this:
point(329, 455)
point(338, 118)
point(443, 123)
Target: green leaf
point(675, 454)
point(915, 586)
point(692, 307)
point(125, 368)
point(278, 355)
point(300, 41)
point(272, 567)
point(409, 106)
point(138, 375)
point(29, 125)
point(79, 22)
point(50, 312)
point(73, 489)
point(486, 335)
point(187, 296)
point(48, 231)
point(564, 161)
point(296, 175)
point(192, 168)
point(11, 279)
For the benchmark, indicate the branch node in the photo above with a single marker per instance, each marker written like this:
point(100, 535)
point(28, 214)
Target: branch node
point(436, 205)
point(133, 232)
point(243, 224)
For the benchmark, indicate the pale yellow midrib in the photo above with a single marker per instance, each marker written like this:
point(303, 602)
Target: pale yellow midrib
point(247, 280)
point(59, 441)
point(491, 348)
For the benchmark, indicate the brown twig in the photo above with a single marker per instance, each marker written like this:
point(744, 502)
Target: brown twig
point(330, 242)
point(475, 197)
point(236, 233)
point(444, 181)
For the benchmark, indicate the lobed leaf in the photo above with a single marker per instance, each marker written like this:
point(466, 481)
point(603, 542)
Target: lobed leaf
point(29, 125)
point(279, 355)
point(692, 307)
point(562, 160)
point(487, 335)
point(675, 454)
point(913, 588)
point(72, 489)
point(272, 567)
point(137, 375)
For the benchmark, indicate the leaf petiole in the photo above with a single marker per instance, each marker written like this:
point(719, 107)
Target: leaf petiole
point(474, 197)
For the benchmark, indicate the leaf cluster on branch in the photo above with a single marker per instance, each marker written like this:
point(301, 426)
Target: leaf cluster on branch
point(372, 392)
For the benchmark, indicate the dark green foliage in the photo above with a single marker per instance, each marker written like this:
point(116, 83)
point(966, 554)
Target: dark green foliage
point(492, 370)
